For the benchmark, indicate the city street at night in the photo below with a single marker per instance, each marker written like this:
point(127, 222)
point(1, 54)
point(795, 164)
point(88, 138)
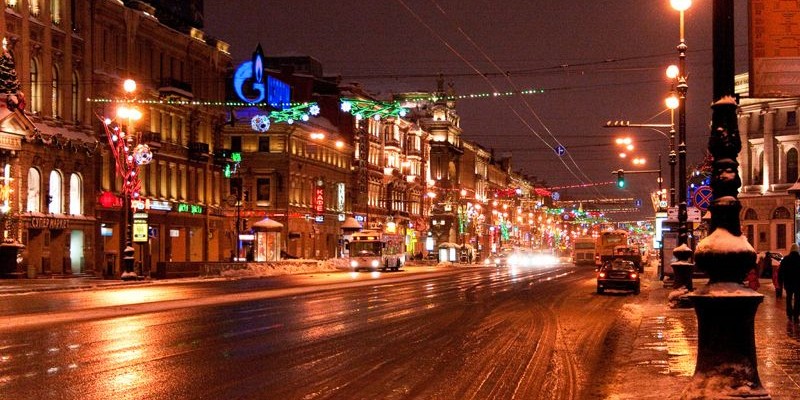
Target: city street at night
point(464, 333)
point(403, 199)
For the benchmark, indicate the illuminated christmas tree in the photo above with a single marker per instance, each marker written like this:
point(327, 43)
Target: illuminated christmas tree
point(9, 83)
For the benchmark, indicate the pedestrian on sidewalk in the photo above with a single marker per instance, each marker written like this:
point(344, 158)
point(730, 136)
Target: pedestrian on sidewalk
point(789, 279)
point(752, 279)
point(775, 282)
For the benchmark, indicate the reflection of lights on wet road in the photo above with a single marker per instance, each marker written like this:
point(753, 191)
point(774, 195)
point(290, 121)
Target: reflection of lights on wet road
point(132, 296)
point(375, 274)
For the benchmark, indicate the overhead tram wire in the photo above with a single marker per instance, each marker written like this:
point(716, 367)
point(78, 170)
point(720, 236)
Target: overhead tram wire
point(474, 68)
point(524, 100)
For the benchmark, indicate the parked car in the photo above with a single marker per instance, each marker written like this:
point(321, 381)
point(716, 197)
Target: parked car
point(618, 274)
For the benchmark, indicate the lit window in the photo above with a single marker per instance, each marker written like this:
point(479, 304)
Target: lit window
point(34, 187)
point(54, 197)
point(75, 195)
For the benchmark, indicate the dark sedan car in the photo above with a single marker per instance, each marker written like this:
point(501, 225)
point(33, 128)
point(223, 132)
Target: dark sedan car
point(618, 274)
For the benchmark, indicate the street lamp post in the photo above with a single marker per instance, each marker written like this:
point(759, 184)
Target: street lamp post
point(682, 268)
point(128, 154)
point(726, 353)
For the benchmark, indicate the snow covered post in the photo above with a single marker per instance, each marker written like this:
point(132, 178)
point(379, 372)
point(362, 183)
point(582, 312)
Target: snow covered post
point(726, 351)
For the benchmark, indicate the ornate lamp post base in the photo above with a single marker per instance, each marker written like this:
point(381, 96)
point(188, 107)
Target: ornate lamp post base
point(726, 351)
point(725, 308)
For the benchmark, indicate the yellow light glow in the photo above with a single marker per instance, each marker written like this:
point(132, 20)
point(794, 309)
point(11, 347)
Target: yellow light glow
point(672, 71)
point(629, 147)
point(339, 144)
point(622, 155)
point(672, 102)
point(681, 5)
point(129, 85)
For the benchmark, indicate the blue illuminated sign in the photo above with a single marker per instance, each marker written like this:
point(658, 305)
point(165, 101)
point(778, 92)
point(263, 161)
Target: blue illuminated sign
point(250, 77)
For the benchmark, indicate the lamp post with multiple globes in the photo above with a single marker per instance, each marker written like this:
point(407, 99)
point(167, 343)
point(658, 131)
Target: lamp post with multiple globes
point(128, 154)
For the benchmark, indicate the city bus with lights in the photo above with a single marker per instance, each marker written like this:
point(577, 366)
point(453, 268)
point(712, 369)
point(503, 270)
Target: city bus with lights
point(606, 244)
point(374, 250)
point(583, 250)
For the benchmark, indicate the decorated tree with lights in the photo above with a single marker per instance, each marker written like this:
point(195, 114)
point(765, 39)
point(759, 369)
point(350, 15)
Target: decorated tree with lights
point(9, 83)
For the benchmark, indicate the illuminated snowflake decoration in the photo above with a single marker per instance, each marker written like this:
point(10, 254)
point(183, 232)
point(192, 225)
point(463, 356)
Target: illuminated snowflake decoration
point(314, 110)
point(142, 154)
point(260, 123)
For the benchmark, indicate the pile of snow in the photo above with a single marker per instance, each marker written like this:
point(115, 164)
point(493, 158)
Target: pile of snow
point(722, 241)
point(287, 267)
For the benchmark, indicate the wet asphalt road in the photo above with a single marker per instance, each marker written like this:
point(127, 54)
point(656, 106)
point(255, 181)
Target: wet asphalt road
point(465, 333)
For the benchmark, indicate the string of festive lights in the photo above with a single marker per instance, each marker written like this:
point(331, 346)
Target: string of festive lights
point(584, 185)
point(485, 95)
point(363, 109)
point(208, 103)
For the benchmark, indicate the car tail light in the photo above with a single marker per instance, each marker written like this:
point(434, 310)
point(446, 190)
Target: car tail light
point(633, 275)
point(602, 274)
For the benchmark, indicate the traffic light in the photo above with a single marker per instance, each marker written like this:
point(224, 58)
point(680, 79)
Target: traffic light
point(620, 179)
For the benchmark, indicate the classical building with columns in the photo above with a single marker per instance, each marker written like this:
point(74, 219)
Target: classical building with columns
point(770, 136)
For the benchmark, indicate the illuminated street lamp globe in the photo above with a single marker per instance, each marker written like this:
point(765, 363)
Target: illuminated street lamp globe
point(673, 71)
point(681, 5)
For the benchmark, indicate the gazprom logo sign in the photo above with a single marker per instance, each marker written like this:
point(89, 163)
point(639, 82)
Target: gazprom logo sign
point(250, 85)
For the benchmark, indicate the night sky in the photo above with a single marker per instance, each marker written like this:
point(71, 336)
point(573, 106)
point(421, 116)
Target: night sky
point(596, 61)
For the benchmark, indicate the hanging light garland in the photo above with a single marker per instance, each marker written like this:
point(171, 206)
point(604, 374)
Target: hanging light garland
point(363, 109)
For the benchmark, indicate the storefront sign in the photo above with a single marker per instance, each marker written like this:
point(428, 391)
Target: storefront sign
point(189, 208)
point(140, 227)
point(159, 205)
point(319, 199)
point(109, 200)
point(48, 223)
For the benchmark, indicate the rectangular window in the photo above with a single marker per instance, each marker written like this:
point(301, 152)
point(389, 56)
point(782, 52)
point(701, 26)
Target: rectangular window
point(781, 233)
point(236, 143)
point(750, 235)
point(263, 192)
point(791, 118)
point(263, 144)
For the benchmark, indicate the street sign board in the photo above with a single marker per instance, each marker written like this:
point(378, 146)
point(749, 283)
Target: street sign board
point(693, 214)
point(560, 150)
point(140, 228)
point(702, 197)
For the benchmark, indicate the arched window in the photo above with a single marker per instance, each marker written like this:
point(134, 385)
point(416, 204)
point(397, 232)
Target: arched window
point(36, 87)
point(54, 196)
point(75, 195)
point(781, 213)
point(34, 187)
point(750, 215)
point(76, 98)
point(55, 94)
point(791, 166)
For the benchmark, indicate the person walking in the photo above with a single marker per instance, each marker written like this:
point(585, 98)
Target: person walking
point(775, 283)
point(789, 279)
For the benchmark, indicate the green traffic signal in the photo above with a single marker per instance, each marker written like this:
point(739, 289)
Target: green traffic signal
point(621, 179)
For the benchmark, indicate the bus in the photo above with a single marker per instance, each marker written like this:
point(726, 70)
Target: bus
point(606, 243)
point(583, 250)
point(374, 250)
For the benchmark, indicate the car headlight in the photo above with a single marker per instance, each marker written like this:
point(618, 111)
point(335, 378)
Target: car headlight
point(376, 263)
point(354, 263)
point(487, 261)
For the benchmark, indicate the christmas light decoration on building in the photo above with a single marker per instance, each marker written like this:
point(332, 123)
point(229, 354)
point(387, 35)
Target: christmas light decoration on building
point(128, 155)
point(363, 109)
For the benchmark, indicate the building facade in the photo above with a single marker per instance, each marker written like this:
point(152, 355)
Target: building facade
point(768, 166)
point(69, 51)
